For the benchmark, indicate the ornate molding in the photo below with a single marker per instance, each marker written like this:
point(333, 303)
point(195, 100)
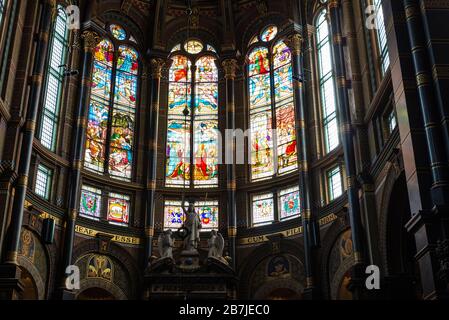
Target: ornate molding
point(294, 42)
point(230, 68)
point(91, 39)
point(157, 65)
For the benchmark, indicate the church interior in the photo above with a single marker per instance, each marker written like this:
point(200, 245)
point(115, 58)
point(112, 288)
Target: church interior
point(224, 150)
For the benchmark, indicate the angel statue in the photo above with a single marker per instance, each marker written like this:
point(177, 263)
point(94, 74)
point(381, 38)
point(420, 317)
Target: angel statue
point(193, 224)
point(216, 245)
point(166, 243)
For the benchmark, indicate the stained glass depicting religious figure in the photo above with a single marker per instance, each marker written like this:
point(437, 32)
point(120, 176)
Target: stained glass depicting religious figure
point(90, 203)
point(206, 123)
point(269, 33)
point(289, 203)
point(272, 152)
point(285, 109)
point(192, 121)
point(118, 209)
point(193, 47)
point(118, 32)
point(123, 117)
point(263, 209)
point(207, 211)
point(111, 116)
point(179, 124)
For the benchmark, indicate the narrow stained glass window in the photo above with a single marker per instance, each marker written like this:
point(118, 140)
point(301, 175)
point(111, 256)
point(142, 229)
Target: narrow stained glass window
point(327, 84)
point(2, 10)
point(43, 182)
point(54, 81)
point(118, 209)
point(90, 203)
point(289, 203)
point(263, 209)
point(112, 110)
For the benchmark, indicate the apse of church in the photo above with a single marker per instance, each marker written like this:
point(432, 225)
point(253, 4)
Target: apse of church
point(223, 150)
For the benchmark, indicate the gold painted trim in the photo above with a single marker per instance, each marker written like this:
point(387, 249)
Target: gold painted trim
point(115, 237)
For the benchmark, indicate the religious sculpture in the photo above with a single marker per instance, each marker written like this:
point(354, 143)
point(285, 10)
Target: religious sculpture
point(193, 224)
point(166, 243)
point(216, 245)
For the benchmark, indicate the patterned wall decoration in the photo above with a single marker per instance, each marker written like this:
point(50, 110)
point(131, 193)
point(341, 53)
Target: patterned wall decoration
point(340, 261)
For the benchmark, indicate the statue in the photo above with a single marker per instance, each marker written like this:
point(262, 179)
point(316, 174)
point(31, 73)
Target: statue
point(166, 243)
point(216, 245)
point(193, 224)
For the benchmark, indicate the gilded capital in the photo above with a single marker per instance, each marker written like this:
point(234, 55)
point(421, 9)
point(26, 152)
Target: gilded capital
point(91, 39)
point(230, 68)
point(333, 4)
point(294, 42)
point(156, 67)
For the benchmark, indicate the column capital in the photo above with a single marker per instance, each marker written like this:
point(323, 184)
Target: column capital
point(294, 42)
point(230, 68)
point(91, 39)
point(156, 67)
point(333, 4)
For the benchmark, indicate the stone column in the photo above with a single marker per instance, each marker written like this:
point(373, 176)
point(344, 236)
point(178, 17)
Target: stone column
point(230, 68)
point(152, 134)
point(294, 42)
point(90, 41)
point(347, 137)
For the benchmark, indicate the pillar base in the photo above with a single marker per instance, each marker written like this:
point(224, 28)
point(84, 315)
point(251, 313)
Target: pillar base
point(11, 286)
point(311, 294)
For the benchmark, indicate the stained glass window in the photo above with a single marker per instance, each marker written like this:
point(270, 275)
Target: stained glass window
point(334, 182)
point(381, 36)
point(269, 33)
point(289, 203)
point(392, 122)
point(118, 209)
point(90, 203)
point(207, 211)
point(272, 154)
point(43, 182)
point(178, 128)
point(327, 84)
point(192, 120)
point(263, 209)
point(54, 81)
point(112, 110)
point(285, 109)
point(193, 47)
point(210, 48)
point(118, 32)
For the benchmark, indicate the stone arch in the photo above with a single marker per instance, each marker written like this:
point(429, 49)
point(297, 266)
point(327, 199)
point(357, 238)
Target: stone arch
point(119, 255)
point(334, 232)
point(262, 253)
point(269, 287)
point(34, 273)
point(108, 286)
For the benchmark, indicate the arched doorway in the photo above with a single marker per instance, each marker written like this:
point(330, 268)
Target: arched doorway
point(96, 294)
point(402, 280)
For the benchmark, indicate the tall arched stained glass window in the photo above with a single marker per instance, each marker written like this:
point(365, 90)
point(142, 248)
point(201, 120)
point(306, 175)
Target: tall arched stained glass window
point(327, 84)
point(381, 36)
point(192, 127)
point(111, 119)
point(54, 81)
point(271, 107)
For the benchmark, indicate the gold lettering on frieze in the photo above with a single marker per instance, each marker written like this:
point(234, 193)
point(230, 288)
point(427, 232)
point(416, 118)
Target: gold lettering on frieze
point(287, 233)
point(116, 238)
